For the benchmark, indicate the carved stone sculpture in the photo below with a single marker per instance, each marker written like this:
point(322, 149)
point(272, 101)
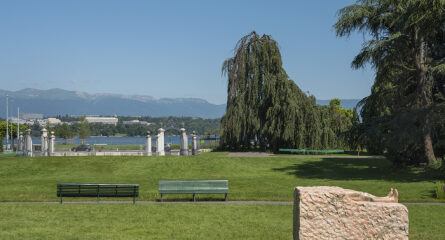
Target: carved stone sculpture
point(337, 213)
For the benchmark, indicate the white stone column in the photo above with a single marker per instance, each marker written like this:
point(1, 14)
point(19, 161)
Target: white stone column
point(44, 143)
point(20, 143)
point(160, 142)
point(52, 143)
point(184, 146)
point(28, 143)
point(148, 144)
point(194, 144)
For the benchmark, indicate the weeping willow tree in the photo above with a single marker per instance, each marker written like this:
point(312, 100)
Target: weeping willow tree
point(267, 110)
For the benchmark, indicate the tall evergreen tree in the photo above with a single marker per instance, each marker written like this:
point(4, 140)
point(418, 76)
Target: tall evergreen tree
point(406, 50)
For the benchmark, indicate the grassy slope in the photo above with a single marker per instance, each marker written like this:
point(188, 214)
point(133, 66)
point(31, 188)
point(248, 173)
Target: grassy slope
point(108, 221)
point(34, 179)
point(127, 221)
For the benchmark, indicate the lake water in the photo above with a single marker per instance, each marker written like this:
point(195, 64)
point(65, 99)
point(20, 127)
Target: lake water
point(117, 140)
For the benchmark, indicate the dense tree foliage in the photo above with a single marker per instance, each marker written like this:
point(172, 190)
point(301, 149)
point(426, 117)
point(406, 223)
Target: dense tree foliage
point(267, 110)
point(12, 126)
point(171, 124)
point(84, 130)
point(404, 115)
point(64, 131)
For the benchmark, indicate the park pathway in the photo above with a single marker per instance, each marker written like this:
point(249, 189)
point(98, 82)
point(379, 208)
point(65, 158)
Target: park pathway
point(188, 202)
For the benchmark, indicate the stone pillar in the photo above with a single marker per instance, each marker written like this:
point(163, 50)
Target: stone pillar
point(148, 144)
point(44, 142)
point(184, 145)
point(337, 213)
point(160, 142)
point(52, 143)
point(20, 143)
point(194, 144)
point(28, 143)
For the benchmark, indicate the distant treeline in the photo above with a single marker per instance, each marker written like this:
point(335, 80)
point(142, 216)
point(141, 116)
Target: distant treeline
point(170, 124)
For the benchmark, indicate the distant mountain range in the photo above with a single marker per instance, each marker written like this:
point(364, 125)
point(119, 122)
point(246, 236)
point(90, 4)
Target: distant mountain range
point(55, 101)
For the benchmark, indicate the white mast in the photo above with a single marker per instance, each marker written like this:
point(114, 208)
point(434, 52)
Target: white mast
point(18, 124)
point(7, 126)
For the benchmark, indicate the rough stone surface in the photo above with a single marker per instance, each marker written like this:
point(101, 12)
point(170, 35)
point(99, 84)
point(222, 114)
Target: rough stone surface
point(331, 213)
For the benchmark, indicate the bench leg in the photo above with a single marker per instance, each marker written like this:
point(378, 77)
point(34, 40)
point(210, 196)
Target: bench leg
point(193, 197)
point(225, 198)
point(161, 197)
point(134, 199)
point(97, 198)
point(60, 201)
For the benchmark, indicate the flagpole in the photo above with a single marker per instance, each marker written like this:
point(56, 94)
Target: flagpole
point(18, 124)
point(7, 125)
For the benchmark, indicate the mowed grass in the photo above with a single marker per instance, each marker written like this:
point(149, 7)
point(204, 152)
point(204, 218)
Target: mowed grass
point(174, 221)
point(265, 179)
point(426, 222)
point(128, 221)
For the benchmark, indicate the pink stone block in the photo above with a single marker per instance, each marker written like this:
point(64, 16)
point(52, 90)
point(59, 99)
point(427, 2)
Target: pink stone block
point(337, 213)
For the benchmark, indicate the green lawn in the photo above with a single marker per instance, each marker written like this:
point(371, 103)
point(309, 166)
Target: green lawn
point(426, 222)
point(272, 179)
point(128, 221)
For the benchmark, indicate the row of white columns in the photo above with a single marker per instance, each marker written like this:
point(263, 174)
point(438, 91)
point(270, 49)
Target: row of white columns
point(48, 143)
point(160, 143)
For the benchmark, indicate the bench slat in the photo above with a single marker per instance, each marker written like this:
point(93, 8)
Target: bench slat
point(193, 187)
point(97, 190)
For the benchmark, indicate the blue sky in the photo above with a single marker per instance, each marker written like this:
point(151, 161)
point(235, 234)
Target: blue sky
point(171, 48)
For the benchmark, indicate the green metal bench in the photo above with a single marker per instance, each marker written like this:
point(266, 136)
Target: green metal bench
point(97, 190)
point(311, 151)
point(194, 187)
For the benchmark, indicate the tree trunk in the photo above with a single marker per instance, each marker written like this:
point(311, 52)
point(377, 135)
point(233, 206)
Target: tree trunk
point(422, 99)
point(428, 143)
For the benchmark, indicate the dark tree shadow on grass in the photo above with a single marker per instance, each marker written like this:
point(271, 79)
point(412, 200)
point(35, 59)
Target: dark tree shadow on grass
point(358, 169)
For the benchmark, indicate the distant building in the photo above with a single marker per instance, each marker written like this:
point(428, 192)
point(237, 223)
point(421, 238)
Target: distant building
point(41, 122)
point(21, 121)
point(54, 121)
point(104, 120)
point(31, 116)
point(136, 122)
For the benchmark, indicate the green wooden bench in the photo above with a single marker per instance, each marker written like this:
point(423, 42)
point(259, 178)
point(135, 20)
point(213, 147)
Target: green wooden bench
point(97, 190)
point(311, 151)
point(194, 187)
